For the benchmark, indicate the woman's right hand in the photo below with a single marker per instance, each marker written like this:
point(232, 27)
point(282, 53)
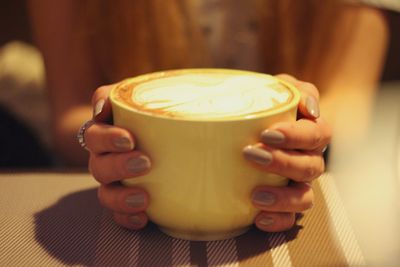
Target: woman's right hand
point(113, 158)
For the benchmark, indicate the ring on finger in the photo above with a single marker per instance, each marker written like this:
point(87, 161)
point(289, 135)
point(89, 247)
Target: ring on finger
point(81, 133)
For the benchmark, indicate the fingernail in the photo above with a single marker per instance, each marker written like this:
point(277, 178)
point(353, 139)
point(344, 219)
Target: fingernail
point(257, 154)
point(312, 106)
point(138, 164)
point(271, 137)
point(264, 198)
point(135, 220)
point(98, 107)
point(266, 221)
point(135, 201)
point(123, 143)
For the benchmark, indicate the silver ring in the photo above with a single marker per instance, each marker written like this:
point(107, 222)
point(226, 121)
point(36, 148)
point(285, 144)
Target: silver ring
point(81, 133)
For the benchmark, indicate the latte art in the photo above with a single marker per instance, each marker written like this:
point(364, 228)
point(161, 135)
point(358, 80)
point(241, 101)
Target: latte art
point(207, 95)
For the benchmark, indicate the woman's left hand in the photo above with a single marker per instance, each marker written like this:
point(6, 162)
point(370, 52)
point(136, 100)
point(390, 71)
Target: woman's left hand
point(293, 150)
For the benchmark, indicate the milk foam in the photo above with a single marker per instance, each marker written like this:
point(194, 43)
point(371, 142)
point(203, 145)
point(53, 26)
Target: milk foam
point(210, 95)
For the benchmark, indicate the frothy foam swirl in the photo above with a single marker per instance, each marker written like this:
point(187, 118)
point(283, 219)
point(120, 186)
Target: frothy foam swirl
point(209, 95)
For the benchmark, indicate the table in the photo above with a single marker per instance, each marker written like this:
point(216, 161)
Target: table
point(54, 219)
point(367, 175)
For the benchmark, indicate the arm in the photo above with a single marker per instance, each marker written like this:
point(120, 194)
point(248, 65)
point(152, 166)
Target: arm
point(349, 83)
point(70, 70)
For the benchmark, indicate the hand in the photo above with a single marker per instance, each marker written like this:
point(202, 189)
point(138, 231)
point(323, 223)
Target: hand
point(113, 158)
point(293, 150)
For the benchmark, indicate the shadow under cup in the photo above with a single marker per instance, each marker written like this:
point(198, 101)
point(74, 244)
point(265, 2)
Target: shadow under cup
point(200, 184)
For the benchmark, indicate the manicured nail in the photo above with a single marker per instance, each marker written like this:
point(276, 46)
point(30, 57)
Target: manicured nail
point(266, 221)
point(98, 108)
point(257, 154)
point(271, 137)
point(312, 106)
point(138, 164)
point(123, 143)
point(135, 220)
point(264, 198)
point(135, 201)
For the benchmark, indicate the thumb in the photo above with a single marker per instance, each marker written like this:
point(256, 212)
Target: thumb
point(309, 100)
point(101, 104)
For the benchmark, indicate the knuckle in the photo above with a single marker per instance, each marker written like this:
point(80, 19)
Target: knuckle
point(317, 139)
point(119, 165)
point(326, 132)
point(312, 88)
point(301, 198)
point(309, 172)
point(307, 200)
point(282, 162)
point(285, 203)
point(289, 221)
point(283, 222)
point(306, 205)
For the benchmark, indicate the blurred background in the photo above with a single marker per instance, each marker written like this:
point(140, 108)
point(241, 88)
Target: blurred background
point(23, 106)
point(24, 117)
point(367, 174)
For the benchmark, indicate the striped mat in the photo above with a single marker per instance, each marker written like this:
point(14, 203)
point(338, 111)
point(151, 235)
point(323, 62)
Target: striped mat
point(55, 220)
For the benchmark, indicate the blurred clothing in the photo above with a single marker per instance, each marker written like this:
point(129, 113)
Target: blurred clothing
point(24, 114)
point(393, 5)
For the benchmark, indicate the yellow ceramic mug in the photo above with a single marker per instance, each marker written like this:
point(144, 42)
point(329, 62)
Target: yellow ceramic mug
point(200, 185)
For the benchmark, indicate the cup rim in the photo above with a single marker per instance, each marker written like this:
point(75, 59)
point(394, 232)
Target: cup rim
point(292, 104)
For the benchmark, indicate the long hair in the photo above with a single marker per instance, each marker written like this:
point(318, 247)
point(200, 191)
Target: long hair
point(132, 37)
point(296, 35)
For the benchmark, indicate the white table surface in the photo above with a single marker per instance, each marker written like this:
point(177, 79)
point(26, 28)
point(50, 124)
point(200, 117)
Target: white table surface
point(368, 179)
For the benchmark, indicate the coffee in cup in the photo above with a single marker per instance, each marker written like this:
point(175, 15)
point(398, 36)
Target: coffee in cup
point(194, 124)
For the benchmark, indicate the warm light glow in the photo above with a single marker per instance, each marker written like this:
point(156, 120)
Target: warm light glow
point(210, 95)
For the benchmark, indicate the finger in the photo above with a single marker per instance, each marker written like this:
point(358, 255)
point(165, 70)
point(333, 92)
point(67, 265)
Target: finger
point(309, 101)
point(123, 199)
point(298, 166)
point(103, 138)
point(275, 221)
point(134, 222)
point(295, 197)
point(114, 167)
point(101, 104)
point(303, 134)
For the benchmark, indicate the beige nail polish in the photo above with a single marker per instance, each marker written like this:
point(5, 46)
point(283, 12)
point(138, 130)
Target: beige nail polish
point(266, 221)
point(312, 106)
point(271, 137)
point(98, 108)
point(257, 154)
point(264, 198)
point(138, 164)
point(135, 201)
point(123, 143)
point(135, 220)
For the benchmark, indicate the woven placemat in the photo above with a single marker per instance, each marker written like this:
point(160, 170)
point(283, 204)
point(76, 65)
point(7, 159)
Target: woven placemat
point(54, 219)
